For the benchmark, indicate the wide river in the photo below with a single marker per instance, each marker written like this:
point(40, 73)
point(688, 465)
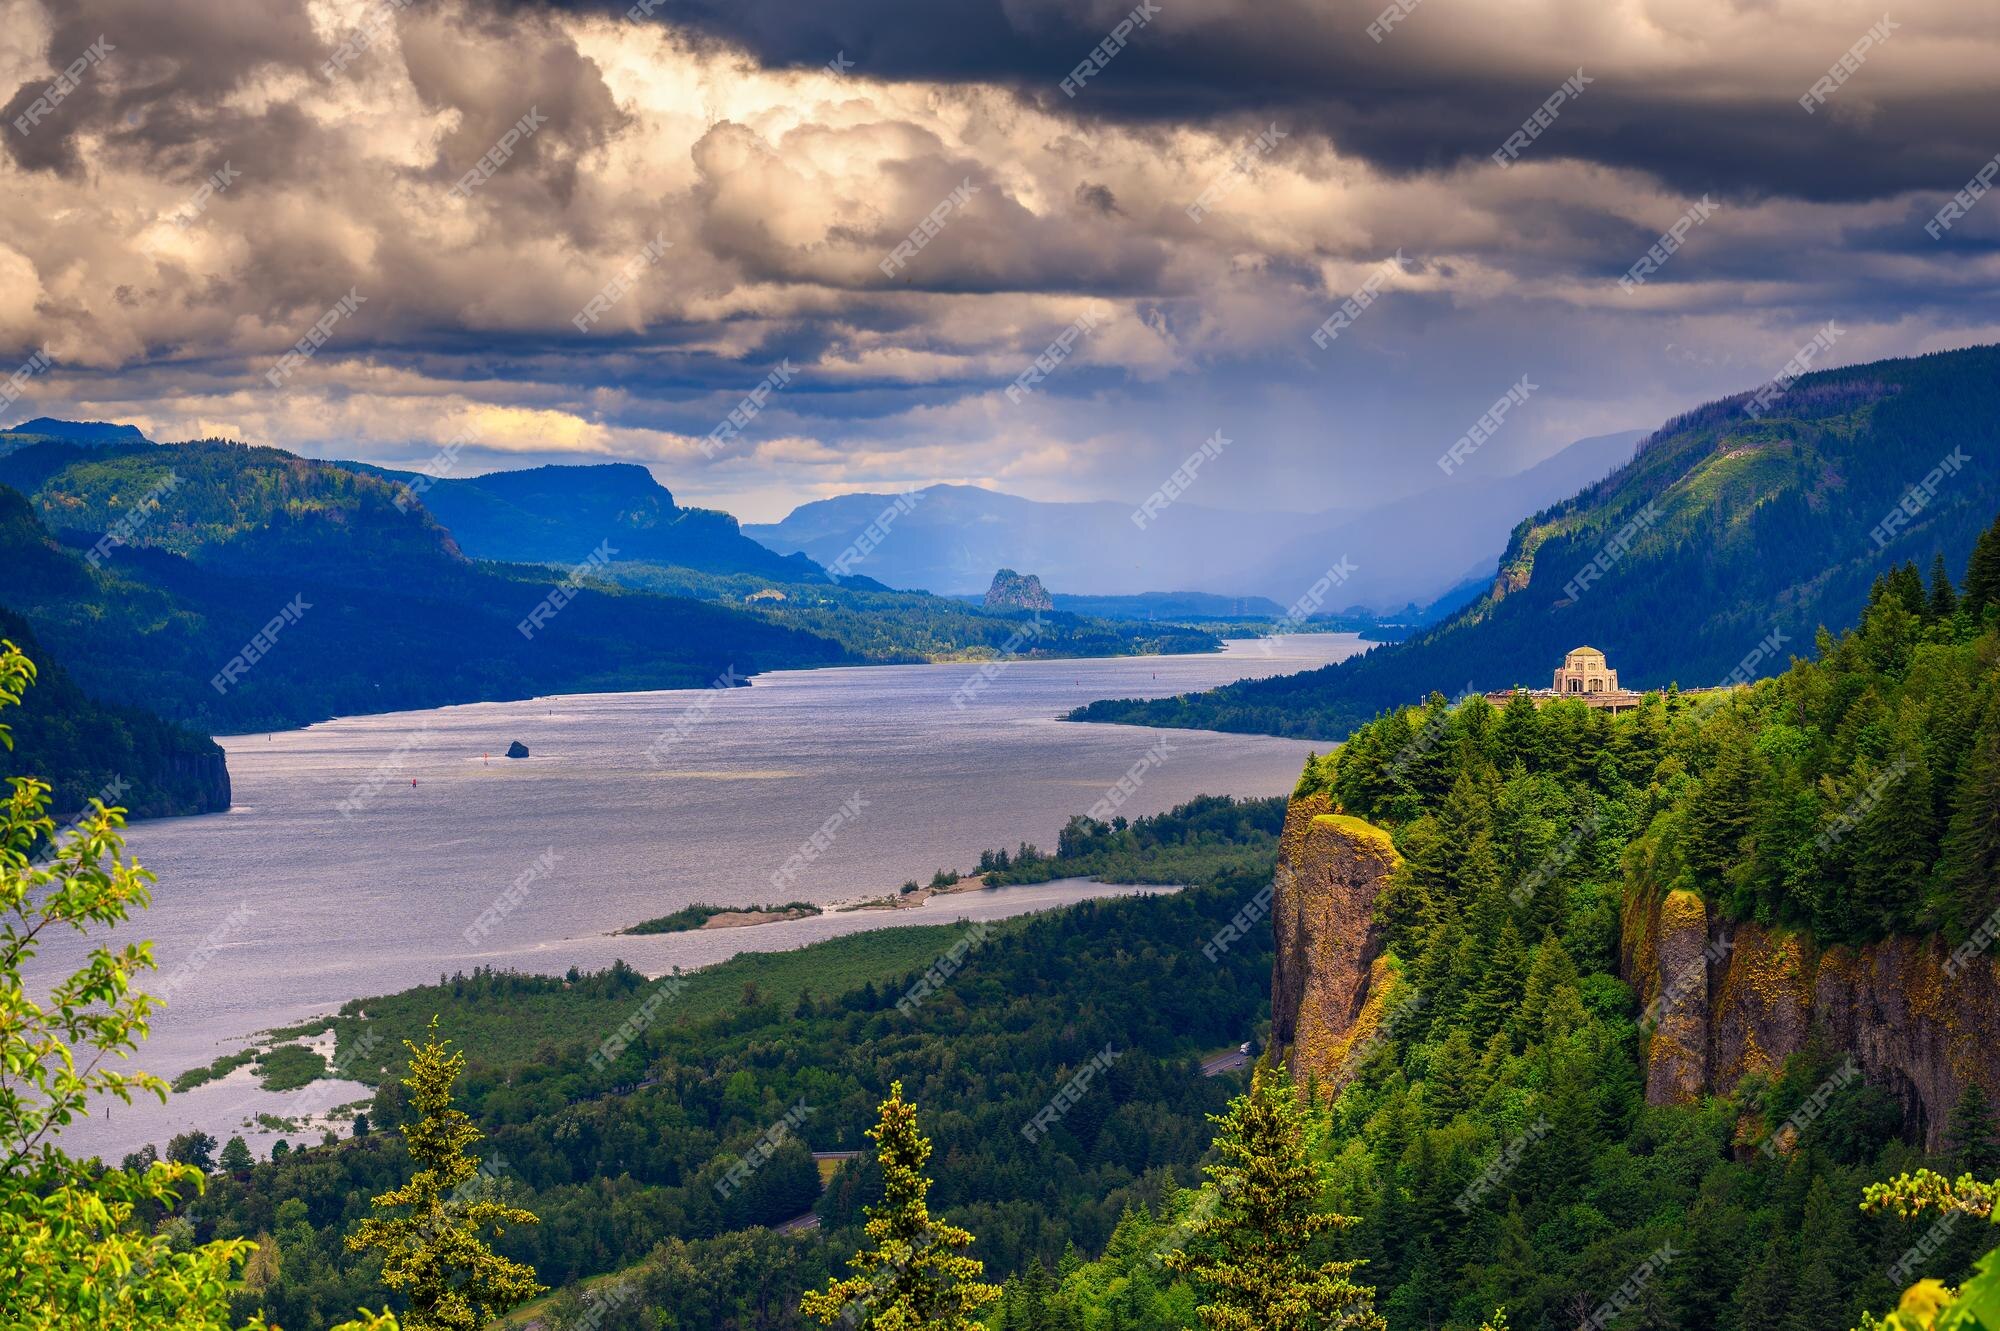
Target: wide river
point(369, 854)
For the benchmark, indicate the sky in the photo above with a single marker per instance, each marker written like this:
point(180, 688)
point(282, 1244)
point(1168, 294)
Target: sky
point(575, 232)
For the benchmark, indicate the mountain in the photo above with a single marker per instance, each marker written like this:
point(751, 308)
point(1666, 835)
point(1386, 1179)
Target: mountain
point(949, 538)
point(44, 428)
point(1723, 545)
point(327, 597)
point(1418, 547)
point(557, 515)
point(1171, 605)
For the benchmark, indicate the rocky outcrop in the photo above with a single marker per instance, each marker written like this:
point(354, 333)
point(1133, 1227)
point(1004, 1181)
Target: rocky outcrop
point(1726, 1000)
point(1330, 983)
point(1018, 591)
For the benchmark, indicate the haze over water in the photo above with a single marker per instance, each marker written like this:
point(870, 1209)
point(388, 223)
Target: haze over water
point(300, 908)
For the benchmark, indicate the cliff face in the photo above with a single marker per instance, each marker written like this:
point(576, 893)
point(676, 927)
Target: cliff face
point(1734, 999)
point(1329, 983)
point(1720, 1000)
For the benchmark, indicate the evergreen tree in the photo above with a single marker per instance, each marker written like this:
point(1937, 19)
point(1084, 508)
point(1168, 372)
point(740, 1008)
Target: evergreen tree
point(433, 1252)
point(1970, 1141)
point(1943, 600)
point(1249, 1257)
point(1982, 575)
point(1764, 1297)
point(1971, 866)
point(1894, 844)
point(236, 1156)
point(916, 1276)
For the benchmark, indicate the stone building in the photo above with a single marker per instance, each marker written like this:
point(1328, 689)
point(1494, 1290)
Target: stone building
point(1584, 671)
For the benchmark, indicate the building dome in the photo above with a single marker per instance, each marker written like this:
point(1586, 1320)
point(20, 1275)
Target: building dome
point(1584, 670)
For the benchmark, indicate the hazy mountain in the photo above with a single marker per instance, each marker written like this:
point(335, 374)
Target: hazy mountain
point(1418, 548)
point(1723, 531)
point(558, 515)
point(1411, 550)
point(956, 536)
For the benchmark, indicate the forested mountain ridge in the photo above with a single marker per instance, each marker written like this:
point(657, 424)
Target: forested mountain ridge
point(1503, 936)
point(556, 515)
point(385, 612)
point(1722, 531)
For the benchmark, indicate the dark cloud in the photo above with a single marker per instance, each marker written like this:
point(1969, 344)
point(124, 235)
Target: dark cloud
point(1442, 87)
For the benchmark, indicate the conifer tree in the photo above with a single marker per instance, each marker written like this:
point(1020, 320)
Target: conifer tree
point(915, 1276)
point(430, 1233)
point(1249, 1258)
point(1971, 864)
point(1973, 1145)
point(1943, 600)
point(1982, 575)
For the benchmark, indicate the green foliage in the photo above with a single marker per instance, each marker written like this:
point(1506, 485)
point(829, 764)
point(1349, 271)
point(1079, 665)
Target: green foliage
point(700, 913)
point(1250, 1257)
point(63, 1223)
point(620, 1160)
point(431, 1235)
point(1856, 795)
point(1497, 1149)
point(1190, 842)
point(914, 1275)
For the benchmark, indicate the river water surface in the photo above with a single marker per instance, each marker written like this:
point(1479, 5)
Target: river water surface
point(287, 906)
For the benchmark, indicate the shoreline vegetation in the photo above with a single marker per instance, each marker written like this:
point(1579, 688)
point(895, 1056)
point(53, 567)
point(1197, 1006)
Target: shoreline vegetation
point(1195, 842)
point(703, 915)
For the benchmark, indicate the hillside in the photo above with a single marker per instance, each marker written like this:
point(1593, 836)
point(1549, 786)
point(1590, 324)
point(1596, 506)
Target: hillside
point(557, 515)
point(392, 615)
point(85, 749)
point(1721, 532)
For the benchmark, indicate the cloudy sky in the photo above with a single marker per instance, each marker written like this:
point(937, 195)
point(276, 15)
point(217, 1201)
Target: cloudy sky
point(731, 176)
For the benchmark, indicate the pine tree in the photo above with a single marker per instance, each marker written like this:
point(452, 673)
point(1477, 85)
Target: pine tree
point(1943, 600)
point(916, 1276)
point(433, 1253)
point(1970, 868)
point(236, 1156)
point(1894, 843)
point(1831, 1258)
point(1969, 1136)
point(1763, 1298)
point(1982, 575)
point(1249, 1258)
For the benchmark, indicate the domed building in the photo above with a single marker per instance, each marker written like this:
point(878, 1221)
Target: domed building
point(1584, 670)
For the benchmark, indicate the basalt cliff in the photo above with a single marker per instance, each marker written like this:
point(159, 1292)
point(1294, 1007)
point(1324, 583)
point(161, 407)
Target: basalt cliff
point(1721, 1000)
point(1729, 1000)
point(1329, 981)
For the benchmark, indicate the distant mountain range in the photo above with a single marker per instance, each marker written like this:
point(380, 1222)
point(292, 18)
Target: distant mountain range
point(953, 537)
point(1727, 542)
point(165, 589)
point(396, 617)
point(558, 515)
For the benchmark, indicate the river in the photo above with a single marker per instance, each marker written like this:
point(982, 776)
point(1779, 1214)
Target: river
point(369, 854)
